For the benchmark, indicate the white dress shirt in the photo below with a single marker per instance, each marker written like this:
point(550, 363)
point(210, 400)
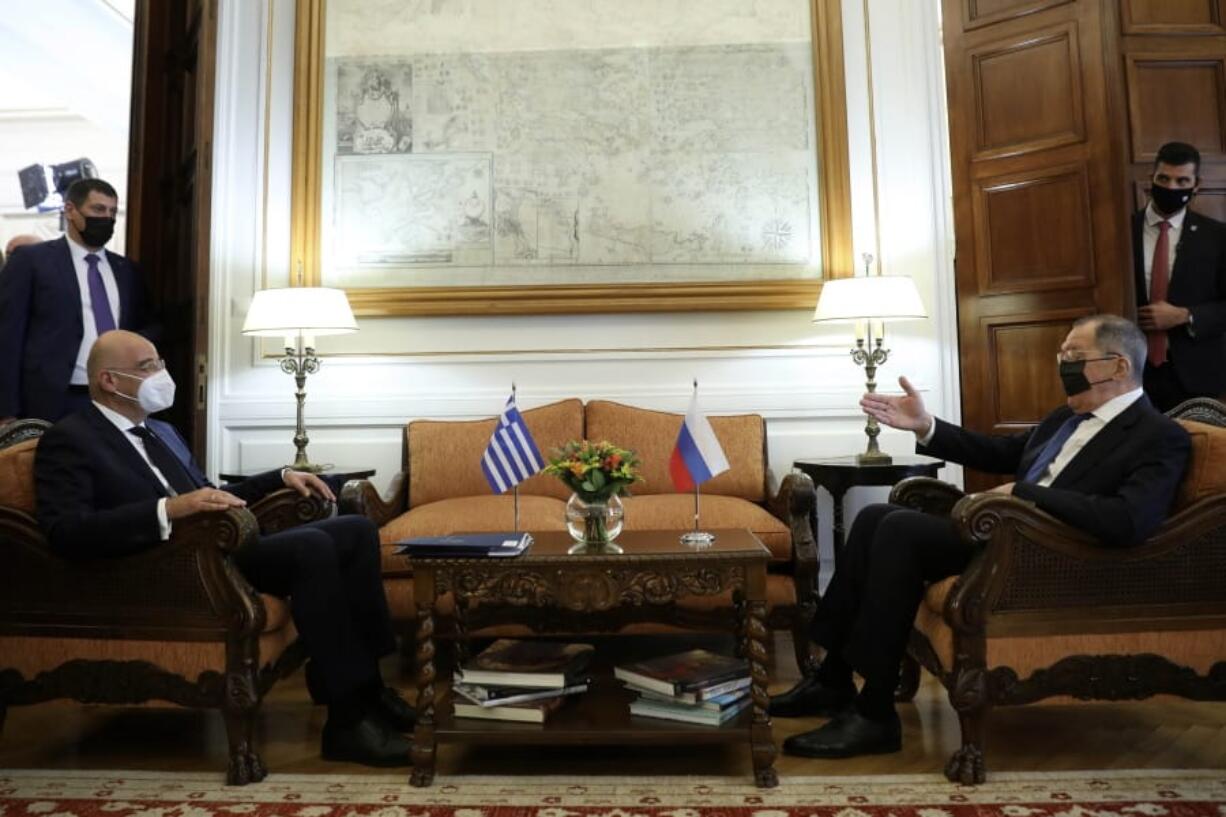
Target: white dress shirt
point(1080, 437)
point(1149, 240)
point(123, 424)
point(90, 334)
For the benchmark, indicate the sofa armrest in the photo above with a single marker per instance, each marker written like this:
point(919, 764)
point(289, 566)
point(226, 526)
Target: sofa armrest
point(1036, 574)
point(184, 589)
point(358, 496)
point(926, 494)
point(286, 508)
point(796, 504)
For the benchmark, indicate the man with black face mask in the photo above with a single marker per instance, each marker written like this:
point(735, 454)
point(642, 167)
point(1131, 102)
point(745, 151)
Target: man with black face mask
point(1106, 462)
point(56, 297)
point(1179, 262)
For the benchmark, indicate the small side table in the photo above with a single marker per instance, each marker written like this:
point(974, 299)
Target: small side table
point(838, 474)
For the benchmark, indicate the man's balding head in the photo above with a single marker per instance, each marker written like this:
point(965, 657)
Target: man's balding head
point(117, 349)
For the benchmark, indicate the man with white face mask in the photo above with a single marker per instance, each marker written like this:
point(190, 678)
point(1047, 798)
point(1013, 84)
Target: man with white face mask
point(111, 481)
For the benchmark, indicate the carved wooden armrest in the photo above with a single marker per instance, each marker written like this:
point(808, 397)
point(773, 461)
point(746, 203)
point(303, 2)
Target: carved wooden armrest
point(358, 496)
point(1033, 562)
point(286, 508)
point(926, 494)
point(795, 504)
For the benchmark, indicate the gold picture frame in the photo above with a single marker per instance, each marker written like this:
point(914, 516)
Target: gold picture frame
point(834, 220)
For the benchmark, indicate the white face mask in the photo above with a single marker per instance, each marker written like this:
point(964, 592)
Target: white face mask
point(156, 392)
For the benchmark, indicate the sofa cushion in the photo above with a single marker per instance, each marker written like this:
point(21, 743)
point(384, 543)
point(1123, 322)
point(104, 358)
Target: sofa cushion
point(676, 512)
point(445, 455)
point(1206, 471)
point(652, 435)
point(17, 476)
point(469, 514)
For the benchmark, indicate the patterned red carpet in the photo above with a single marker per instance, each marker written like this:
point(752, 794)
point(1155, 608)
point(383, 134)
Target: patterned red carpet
point(1064, 794)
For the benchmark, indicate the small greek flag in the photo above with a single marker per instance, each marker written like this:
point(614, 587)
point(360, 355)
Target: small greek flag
point(512, 455)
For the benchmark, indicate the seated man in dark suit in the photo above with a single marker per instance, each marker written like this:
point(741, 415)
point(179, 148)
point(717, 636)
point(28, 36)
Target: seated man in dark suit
point(110, 481)
point(1107, 463)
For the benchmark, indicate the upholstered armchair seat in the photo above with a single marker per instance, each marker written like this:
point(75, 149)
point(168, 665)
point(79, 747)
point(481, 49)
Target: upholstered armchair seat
point(176, 624)
point(441, 490)
point(1045, 611)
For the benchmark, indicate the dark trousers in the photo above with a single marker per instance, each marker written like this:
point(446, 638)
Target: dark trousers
point(330, 572)
point(1163, 387)
point(891, 554)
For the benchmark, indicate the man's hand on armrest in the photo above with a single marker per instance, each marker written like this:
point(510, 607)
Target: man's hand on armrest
point(202, 500)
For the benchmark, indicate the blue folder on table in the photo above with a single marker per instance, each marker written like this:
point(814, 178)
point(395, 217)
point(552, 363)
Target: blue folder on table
point(466, 545)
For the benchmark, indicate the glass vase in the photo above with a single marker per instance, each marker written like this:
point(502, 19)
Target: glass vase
point(594, 525)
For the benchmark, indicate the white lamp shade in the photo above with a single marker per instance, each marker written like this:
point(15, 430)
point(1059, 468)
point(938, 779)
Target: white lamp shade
point(877, 297)
point(309, 310)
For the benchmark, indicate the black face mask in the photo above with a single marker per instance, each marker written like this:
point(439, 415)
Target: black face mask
point(98, 230)
point(1169, 201)
point(1073, 375)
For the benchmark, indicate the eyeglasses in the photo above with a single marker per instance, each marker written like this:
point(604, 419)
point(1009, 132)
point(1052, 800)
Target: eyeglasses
point(147, 366)
point(1075, 357)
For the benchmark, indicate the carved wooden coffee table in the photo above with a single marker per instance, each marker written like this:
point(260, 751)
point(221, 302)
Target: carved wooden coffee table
point(550, 591)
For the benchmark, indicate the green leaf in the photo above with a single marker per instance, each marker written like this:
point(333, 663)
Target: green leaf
point(587, 485)
point(597, 479)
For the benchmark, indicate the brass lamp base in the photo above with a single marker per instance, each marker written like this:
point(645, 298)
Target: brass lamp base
point(873, 458)
point(310, 467)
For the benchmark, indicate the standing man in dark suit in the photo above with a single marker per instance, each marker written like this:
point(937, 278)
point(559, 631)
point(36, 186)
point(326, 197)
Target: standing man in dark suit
point(56, 297)
point(1179, 263)
point(110, 481)
point(1106, 462)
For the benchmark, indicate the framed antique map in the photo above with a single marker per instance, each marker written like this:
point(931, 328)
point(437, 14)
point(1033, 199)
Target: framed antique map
point(531, 156)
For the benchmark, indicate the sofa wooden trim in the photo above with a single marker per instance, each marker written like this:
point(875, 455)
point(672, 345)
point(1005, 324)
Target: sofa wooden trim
point(996, 597)
point(200, 597)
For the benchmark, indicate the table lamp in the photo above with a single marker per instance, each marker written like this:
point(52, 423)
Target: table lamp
point(869, 301)
point(300, 314)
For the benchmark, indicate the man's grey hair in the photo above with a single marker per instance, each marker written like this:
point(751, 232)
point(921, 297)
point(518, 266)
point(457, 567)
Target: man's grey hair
point(1116, 335)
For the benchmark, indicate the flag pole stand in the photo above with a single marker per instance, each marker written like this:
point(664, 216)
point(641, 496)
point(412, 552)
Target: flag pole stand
point(697, 538)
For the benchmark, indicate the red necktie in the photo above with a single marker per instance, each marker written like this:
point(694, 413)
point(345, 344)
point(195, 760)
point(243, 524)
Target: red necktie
point(1159, 278)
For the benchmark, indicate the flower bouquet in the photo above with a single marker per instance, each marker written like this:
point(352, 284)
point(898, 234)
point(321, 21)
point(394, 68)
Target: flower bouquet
point(597, 473)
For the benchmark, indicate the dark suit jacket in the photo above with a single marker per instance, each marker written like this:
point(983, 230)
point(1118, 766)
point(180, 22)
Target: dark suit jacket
point(1198, 282)
point(41, 327)
point(97, 497)
point(1118, 488)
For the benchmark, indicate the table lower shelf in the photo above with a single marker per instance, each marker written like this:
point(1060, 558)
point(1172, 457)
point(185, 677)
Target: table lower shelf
point(599, 716)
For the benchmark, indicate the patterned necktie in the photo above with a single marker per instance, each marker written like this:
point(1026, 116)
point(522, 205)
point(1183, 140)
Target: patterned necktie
point(1159, 279)
point(1050, 451)
point(165, 460)
point(104, 321)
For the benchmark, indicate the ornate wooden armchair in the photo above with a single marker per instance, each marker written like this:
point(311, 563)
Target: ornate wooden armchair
point(175, 624)
point(1045, 610)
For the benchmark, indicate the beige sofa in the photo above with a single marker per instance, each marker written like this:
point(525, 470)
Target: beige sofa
point(441, 489)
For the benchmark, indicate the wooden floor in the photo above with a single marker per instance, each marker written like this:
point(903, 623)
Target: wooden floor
point(1155, 734)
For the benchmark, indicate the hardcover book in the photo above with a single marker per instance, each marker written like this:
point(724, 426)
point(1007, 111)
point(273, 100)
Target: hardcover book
point(506, 696)
point(715, 703)
point(531, 712)
point(537, 664)
point(686, 714)
point(683, 672)
point(466, 545)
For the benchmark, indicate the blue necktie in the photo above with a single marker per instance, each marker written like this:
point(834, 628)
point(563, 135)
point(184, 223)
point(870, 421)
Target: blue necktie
point(1050, 451)
point(104, 321)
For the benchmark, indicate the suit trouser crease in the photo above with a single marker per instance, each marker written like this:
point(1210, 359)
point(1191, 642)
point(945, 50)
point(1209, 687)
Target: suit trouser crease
point(330, 571)
point(869, 608)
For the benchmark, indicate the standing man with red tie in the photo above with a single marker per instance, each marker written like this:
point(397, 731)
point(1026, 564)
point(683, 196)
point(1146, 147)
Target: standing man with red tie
point(1179, 259)
point(56, 298)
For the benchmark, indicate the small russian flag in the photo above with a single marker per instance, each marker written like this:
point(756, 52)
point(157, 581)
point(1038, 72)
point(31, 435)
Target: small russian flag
point(697, 456)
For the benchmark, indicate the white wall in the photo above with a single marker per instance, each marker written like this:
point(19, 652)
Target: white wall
point(777, 364)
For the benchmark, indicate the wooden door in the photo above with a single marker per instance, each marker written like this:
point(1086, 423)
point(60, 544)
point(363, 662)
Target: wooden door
point(1174, 54)
point(1040, 200)
point(170, 181)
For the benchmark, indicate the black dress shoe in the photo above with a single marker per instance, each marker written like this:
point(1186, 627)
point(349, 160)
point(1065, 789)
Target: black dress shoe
point(393, 710)
point(809, 697)
point(369, 742)
point(848, 735)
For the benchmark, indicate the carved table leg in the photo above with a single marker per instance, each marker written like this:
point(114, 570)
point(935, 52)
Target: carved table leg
point(423, 734)
point(969, 697)
point(761, 742)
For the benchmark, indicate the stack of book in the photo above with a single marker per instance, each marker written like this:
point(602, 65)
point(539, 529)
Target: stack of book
point(513, 680)
point(696, 686)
